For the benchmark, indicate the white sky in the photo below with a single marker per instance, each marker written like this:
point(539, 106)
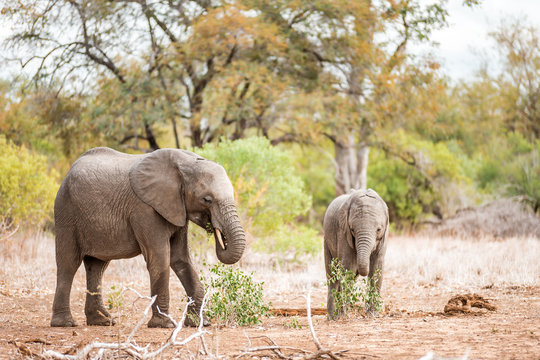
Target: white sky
point(466, 38)
point(463, 42)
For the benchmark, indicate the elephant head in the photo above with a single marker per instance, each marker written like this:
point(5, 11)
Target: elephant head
point(365, 226)
point(182, 186)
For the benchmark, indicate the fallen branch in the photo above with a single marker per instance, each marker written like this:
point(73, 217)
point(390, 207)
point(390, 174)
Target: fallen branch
point(130, 346)
point(298, 354)
point(297, 312)
point(25, 350)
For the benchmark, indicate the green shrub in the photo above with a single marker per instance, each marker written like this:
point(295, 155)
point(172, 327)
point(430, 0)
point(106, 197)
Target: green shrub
point(27, 187)
point(297, 239)
point(318, 173)
point(524, 178)
point(406, 191)
point(235, 298)
point(270, 195)
point(354, 296)
point(511, 166)
point(424, 184)
point(268, 191)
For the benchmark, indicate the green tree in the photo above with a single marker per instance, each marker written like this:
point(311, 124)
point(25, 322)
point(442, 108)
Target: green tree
point(155, 63)
point(27, 186)
point(519, 82)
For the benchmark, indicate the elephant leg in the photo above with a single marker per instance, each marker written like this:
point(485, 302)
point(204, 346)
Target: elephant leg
point(333, 286)
point(159, 284)
point(68, 261)
point(157, 263)
point(333, 289)
point(184, 269)
point(153, 238)
point(376, 266)
point(96, 314)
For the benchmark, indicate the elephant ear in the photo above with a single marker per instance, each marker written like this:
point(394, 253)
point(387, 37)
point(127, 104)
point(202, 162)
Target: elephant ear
point(157, 181)
point(344, 222)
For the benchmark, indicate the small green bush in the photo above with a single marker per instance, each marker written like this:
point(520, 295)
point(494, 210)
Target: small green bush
point(27, 187)
point(354, 296)
point(524, 178)
point(235, 298)
point(512, 168)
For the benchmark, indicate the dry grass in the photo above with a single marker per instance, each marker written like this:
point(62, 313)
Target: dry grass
point(463, 263)
point(27, 266)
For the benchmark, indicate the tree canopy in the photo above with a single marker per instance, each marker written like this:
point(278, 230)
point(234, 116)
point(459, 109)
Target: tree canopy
point(332, 84)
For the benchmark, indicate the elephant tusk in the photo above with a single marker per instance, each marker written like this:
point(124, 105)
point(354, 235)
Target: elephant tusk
point(218, 235)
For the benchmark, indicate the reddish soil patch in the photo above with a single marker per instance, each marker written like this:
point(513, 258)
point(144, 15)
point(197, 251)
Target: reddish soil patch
point(412, 326)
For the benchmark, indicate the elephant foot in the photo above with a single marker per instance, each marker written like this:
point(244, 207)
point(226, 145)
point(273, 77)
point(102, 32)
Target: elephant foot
point(99, 318)
point(160, 321)
point(333, 315)
point(372, 312)
point(63, 320)
point(193, 319)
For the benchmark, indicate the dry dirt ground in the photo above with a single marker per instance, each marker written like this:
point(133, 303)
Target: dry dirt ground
point(412, 327)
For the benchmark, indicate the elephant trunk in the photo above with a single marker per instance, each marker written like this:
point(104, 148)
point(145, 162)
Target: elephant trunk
point(232, 233)
point(364, 245)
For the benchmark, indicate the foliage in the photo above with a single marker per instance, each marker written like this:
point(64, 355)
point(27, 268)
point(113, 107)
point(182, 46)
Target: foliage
point(518, 45)
point(523, 176)
point(315, 168)
point(511, 168)
point(335, 80)
point(27, 187)
point(268, 192)
point(293, 324)
point(235, 298)
point(350, 294)
point(419, 182)
point(115, 298)
point(290, 239)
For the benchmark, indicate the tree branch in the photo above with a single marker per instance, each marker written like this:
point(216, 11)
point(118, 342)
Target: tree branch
point(105, 61)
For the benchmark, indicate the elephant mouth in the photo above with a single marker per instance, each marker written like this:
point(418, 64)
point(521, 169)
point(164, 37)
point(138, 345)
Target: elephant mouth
point(220, 238)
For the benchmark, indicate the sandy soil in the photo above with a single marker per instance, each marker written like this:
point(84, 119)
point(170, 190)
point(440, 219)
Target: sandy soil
point(413, 327)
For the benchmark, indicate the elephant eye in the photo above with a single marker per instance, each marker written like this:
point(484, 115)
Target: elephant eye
point(207, 199)
point(379, 229)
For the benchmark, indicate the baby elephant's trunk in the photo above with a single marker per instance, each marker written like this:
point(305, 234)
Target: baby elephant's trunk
point(364, 244)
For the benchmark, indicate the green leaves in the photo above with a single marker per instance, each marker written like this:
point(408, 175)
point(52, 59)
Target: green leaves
point(351, 296)
point(268, 192)
point(27, 186)
point(235, 298)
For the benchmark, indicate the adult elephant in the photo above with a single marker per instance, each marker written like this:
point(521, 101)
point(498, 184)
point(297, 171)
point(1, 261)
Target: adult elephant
point(355, 232)
point(113, 205)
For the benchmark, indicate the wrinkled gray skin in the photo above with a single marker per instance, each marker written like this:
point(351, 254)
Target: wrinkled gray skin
point(355, 231)
point(113, 205)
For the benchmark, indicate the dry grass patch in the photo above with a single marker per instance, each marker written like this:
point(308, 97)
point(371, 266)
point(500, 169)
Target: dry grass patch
point(463, 263)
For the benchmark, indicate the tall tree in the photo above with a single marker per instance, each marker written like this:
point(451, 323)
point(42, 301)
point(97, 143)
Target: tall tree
point(173, 51)
point(519, 82)
point(360, 53)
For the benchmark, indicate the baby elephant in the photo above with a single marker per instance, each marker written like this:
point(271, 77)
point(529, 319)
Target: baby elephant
point(355, 231)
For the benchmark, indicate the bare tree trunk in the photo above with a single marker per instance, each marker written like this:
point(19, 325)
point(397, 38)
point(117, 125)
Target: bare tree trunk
point(150, 137)
point(363, 160)
point(351, 161)
point(175, 132)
